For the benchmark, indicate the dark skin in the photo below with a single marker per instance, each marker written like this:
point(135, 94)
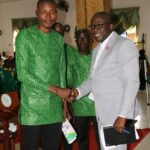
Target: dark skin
point(47, 15)
point(83, 43)
point(100, 33)
point(101, 29)
point(84, 46)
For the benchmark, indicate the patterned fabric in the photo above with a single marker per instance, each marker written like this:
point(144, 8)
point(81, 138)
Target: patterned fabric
point(78, 67)
point(40, 63)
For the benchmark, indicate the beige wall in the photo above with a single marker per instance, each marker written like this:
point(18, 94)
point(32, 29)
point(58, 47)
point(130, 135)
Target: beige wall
point(10, 10)
point(144, 17)
point(70, 19)
point(26, 8)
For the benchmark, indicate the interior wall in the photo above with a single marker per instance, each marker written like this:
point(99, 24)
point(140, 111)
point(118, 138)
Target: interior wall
point(10, 10)
point(69, 18)
point(26, 9)
point(144, 18)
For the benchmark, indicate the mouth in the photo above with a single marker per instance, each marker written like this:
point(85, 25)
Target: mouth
point(97, 35)
point(48, 22)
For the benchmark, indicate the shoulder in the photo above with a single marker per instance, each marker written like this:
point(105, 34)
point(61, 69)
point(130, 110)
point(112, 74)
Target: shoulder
point(57, 38)
point(24, 32)
point(127, 47)
point(70, 50)
point(57, 35)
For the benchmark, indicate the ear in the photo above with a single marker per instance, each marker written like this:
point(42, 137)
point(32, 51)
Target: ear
point(112, 26)
point(76, 41)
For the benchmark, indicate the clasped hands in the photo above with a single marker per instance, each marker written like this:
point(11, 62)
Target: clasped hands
point(65, 93)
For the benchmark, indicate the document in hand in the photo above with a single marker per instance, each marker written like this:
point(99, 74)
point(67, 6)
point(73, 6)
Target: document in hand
point(112, 138)
point(69, 131)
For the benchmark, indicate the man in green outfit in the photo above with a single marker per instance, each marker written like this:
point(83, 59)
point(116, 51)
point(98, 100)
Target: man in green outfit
point(78, 68)
point(40, 63)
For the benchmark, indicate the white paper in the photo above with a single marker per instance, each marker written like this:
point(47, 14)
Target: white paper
point(12, 127)
point(69, 131)
point(136, 134)
point(91, 96)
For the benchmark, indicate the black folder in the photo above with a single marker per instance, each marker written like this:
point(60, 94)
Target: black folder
point(112, 137)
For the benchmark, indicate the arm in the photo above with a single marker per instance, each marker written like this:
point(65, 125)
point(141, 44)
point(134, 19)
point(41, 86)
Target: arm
point(85, 87)
point(129, 67)
point(130, 79)
point(23, 61)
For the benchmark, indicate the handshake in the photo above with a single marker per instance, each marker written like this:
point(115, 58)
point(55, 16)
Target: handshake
point(65, 93)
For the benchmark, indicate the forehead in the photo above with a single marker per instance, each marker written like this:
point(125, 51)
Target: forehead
point(83, 33)
point(99, 19)
point(44, 5)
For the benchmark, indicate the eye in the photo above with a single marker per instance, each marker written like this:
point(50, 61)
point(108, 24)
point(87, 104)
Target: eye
point(53, 11)
point(42, 12)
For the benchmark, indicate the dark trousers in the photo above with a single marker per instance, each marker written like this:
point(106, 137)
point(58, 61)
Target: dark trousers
point(51, 135)
point(81, 125)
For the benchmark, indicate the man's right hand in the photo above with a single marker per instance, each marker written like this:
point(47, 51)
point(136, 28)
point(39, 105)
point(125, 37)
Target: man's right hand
point(62, 92)
point(65, 93)
point(73, 94)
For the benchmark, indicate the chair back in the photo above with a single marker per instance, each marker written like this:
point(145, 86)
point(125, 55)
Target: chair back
point(9, 101)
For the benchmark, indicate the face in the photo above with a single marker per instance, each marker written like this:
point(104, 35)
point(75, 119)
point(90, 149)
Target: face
point(83, 42)
point(100, 28)
point(47, 15)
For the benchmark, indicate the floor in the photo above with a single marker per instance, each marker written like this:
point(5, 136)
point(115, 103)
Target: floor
point(144, 118)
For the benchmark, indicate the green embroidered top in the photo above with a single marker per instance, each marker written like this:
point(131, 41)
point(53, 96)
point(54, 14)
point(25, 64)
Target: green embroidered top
point(40, 62)
point(78, 68)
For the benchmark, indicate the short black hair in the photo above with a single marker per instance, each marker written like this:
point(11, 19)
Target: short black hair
point(40, 1)
point(61, 31)
point(85, 31)
point(57, 23)
point(110, 17)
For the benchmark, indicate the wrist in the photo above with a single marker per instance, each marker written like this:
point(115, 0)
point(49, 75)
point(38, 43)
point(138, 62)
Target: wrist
point(53, 89)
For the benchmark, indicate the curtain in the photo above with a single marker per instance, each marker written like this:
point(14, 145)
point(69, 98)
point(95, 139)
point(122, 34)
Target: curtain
point(127, 17)
point(85, 9)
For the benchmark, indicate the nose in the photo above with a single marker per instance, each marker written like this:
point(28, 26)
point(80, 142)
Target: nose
point(48, 14)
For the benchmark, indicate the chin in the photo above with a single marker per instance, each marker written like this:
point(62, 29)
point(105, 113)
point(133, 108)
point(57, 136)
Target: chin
point(48, 25)
point(97, 39)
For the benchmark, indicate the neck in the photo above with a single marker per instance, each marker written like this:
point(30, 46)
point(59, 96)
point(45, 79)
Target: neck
point(84, 52)
point(44, 29)
point(105, 37)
